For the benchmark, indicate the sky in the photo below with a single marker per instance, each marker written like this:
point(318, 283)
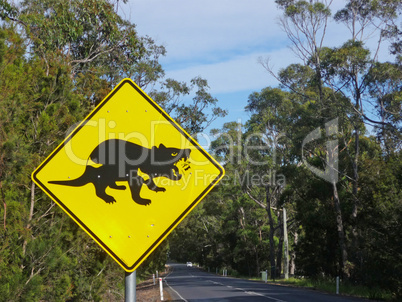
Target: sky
point(221, 41)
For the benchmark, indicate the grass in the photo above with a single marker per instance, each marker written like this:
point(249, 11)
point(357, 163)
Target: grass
point(329, 286)
point(344, 288)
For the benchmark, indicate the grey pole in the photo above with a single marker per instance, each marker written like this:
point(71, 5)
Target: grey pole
point(285, 239)
point(337, 285)
point(130, 287)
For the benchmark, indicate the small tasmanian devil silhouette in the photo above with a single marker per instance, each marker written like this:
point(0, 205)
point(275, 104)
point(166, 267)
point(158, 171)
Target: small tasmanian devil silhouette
point(120, 160)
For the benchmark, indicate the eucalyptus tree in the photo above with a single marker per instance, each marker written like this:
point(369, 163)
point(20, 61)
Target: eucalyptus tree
point(251, 226)
point(346, 71)
point(354, 70)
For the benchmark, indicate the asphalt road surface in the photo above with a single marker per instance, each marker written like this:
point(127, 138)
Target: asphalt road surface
point(192, 284)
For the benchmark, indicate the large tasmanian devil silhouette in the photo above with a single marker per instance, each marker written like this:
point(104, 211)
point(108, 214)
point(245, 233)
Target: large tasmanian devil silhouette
point(119, 160)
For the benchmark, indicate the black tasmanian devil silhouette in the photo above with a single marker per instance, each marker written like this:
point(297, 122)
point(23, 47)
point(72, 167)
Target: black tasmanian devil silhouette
point(120, 160)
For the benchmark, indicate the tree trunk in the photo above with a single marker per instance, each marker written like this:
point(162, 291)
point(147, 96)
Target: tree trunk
point(271, 235)
point(5, 206)
point(257, 261)
point(341, 232)
point(355, 186)
point(279, 253)
point(292, 266)
point(31, 210)
point(354, 239)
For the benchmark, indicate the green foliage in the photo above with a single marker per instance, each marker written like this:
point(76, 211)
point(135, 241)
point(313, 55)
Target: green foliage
point(58, 59)
point(192, 117)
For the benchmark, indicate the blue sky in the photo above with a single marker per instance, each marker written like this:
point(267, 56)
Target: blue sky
point(221, 40)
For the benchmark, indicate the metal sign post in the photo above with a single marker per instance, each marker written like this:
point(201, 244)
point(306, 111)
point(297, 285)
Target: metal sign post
point(130, 287)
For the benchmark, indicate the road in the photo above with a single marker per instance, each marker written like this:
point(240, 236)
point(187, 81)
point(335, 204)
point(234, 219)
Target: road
point(192, 284)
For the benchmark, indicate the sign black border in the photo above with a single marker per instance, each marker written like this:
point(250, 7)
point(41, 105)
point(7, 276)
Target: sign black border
point(175, 223)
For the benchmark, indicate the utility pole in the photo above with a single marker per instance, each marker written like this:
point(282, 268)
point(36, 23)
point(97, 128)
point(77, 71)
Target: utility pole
point(285, 239)
point(286, 242)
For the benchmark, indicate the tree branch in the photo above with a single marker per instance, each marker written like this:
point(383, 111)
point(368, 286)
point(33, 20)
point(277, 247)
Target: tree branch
point(262, 205)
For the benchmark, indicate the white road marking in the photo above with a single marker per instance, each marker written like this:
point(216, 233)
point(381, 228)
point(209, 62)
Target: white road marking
point(217, 283)
point(175, 290)
point(246, 292)
point(261, 295)
point(172, 287)
point(229, 286)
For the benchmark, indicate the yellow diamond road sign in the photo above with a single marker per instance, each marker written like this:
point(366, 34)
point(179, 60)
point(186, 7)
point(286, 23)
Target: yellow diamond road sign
point(128, 174)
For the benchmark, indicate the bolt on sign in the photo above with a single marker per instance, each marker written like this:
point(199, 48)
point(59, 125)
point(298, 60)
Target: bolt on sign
point(128, 174)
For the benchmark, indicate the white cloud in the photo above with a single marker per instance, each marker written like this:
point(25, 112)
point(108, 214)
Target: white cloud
point(206, 30)
point(221, 40)
point(239, 73)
